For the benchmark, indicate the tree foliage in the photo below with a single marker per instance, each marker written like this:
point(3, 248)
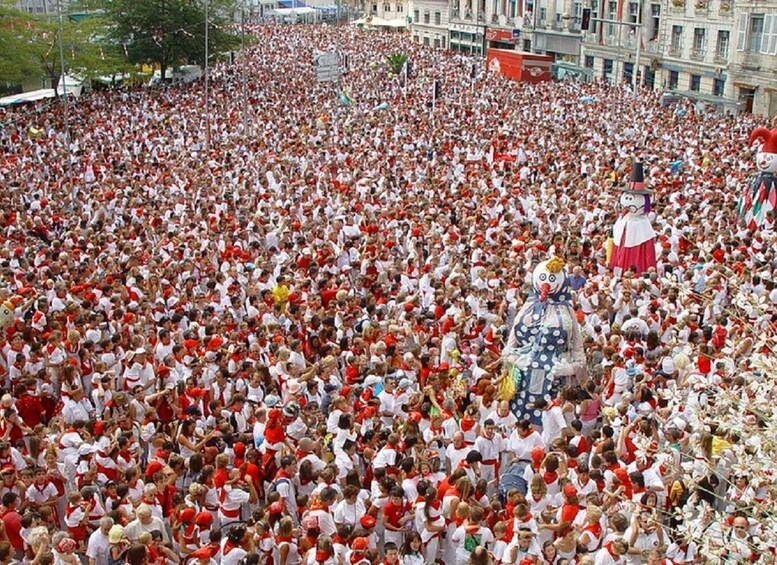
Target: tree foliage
point(396, 62)
point(16, 34)
point(29, 47)
point(169, 33)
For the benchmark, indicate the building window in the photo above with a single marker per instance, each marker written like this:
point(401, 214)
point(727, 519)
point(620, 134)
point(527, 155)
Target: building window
point(676, 46)
point(718, 86)
point(612, 10)
point(695, 83)
point(607, 74)
point(594, 28)
point(655, 23)
point(721, 51)
point(416, 15)
point(437, 18)
point(756, 32)
point(699, 43)
point(374, 8)
point(577, 15)
point(426, 17)
point(400, 8)
point(386, 7)
point(674, 79)
point(633, 12)
point(628, 72)
point(589, 62)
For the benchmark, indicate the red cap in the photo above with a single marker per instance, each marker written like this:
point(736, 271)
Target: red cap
point(367, 522)
point(360, 544)
point(202, 553)
point(570, 491)
point(276, 507)
point(153, 467)
point(187, 515)
point(444, 366)
point(239, 449)
point(203, 519)
point(537, 454)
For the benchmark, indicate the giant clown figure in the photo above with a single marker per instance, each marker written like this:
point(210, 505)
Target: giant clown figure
point(758, 203)
point(544, 348)
point(633, 238)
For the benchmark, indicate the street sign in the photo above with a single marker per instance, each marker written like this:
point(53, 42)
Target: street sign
point(327, 66)
point(516, 34)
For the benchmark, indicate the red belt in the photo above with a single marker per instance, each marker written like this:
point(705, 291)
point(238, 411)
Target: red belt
point(495, 463)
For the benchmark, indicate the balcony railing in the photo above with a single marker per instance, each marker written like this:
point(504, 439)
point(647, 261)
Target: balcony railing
point(675, 50)
point(697, 54)
point(720, 57)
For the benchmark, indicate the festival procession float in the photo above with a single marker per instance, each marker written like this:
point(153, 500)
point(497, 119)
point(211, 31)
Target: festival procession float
point(633, 241)
point(758, 202)
point(544, 350)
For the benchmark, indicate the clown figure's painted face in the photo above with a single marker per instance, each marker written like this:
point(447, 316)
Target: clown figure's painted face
point(766, 162)
point(634, 203)
point(545, 282)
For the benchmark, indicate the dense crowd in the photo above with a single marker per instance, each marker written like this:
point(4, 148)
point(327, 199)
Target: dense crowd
point(271, 332)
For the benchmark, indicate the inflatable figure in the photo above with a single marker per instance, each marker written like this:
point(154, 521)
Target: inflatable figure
point(6, 313)
point(633, 238)
point(545, 347)
point(758, 203)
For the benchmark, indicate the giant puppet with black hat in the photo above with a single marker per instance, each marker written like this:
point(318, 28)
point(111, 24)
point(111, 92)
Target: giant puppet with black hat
point(758, 203)
point(633, 238)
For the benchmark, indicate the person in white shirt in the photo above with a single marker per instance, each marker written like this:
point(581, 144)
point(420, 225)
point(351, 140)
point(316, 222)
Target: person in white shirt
point(523, 440)
point(490, 446)
point(644, 534)
point(389, 407)
point(98, 547)
point(351, 508)
point(456, 452)
point(612, 553)
point(145, 522)
point(553, 421)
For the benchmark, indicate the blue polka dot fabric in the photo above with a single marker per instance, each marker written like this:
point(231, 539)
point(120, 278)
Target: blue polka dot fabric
point(540, 343)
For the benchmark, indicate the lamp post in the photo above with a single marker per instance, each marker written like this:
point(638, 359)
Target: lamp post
point(207, 93)
point(638, 25)
point(65, 109)
point(243, 85)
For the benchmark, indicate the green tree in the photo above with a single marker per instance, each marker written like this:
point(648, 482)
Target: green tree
point(396, 62)
point(17, 30)
point(169, 33)
point(29, 47)
point(88, 49)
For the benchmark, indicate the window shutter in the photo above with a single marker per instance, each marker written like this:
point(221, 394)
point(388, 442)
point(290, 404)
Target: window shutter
point(742, 32)
point(766, 36)
point(773, 46)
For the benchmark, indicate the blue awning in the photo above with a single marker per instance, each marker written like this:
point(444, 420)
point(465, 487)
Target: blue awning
point(291, 4)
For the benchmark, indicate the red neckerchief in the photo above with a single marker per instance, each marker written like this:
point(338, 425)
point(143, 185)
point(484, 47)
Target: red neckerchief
point(322, 556)
point(613, 554)
point(595, 529)
point(550, 477)
point(280, 539)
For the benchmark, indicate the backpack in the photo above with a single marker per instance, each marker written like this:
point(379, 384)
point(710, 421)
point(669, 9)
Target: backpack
point(274, 485)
